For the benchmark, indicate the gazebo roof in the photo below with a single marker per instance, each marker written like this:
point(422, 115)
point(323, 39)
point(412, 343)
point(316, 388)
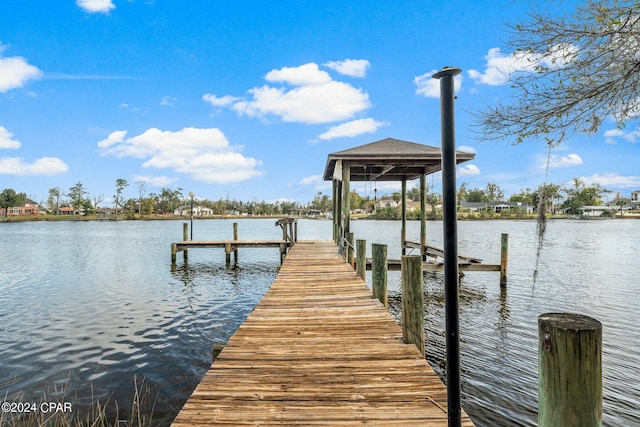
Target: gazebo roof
point(390, 160)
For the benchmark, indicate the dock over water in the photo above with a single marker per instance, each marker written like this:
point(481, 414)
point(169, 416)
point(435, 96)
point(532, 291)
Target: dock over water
point(318, 349)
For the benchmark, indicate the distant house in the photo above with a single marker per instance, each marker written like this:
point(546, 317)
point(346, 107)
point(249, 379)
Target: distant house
point(496, 207)
point(620, 204)
point(388, 202)
point(29, 207)
point(64, 210)
point(595, 211)
point(635, 199)
point(197, 211)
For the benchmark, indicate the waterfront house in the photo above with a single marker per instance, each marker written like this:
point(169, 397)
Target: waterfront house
point(596, 211)
point(29, 207)
point(635, 199)
point(496, 207)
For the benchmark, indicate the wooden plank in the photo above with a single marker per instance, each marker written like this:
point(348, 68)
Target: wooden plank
point(318, 350)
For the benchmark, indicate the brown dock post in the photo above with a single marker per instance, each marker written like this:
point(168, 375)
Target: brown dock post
point(413, 301)
point(361, 255)
point(283, 252)
point(569, 370)
point(235, 237)
point(227, 253)
point(379, 270)
point(185, 237)
point(504, 259)
point(350, 254)
point(174, 251)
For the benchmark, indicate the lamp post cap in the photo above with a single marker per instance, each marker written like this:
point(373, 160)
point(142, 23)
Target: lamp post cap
point(191, 194)
point(447, 71)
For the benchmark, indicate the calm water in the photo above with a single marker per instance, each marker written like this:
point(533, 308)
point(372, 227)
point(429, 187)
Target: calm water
point(86, 307)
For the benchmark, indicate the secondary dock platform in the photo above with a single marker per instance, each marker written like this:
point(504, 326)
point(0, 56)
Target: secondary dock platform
point(318, 350)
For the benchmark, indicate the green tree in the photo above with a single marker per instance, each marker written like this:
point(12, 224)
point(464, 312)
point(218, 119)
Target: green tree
point(462, 193)
point(53, 201)
point(493, 193)
point(9, 198)
point(580, 194)
point(476, 195)
point(118, 198)
point(583, 67)
point(77, 195)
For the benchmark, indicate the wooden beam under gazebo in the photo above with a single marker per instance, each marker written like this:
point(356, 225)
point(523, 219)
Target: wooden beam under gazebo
point(385, 160)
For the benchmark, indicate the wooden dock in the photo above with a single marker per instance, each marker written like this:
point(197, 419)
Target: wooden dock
point(318, 350)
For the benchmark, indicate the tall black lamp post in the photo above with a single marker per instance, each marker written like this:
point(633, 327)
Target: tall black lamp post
point(192, 196)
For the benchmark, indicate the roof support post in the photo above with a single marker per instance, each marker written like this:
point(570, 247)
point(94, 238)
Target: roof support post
point(403, 215)
point(423, 217)
point(346, 200)
point(449, 219)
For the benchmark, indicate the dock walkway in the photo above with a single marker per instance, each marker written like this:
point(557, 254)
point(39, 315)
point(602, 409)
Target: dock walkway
point(318, 350)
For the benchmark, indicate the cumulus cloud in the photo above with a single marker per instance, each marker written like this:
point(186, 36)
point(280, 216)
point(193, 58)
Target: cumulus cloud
point(429, 87)
point(15, 71)
point(614, 180)
point(352, 128)
point(569, 160)
point(96, 6)
point(350, 67)
point(467, 149)
point(6, 140)
point(612, 135)
point(318, 183)
point(42, 166)
point(499, 66)
point(309, 95)
point(468, 170)
point(203, 154)
point(154, 181)
point(167, 101)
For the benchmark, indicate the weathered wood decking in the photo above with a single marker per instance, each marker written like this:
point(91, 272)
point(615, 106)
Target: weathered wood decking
point(318, 350)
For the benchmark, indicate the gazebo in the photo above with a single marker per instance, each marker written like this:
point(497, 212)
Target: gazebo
point(385, 160)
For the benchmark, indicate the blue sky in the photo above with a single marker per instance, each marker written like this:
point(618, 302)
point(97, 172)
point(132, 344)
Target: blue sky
point(245, 99)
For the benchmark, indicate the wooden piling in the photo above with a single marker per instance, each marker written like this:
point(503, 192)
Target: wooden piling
point(174, 252)
point(504, 259)
point(235, 237)
point(185, 237)
point(413, 301)
point(570, 370)
point(379, 272)
point(350, 246)
point(227, 253)
point(361, 256)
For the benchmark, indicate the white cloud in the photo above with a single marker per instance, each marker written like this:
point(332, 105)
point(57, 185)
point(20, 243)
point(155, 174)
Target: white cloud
point(430, 87)
point(96, 6)
point(350, 67)
point(167, 101)
point(615, 180)
point(611, 135)
point(468, 170)
point(5, 139)
point(42, 166)
point(203, 154)
point(569, 160)
point(499, 66)
point(15, 72)
point(314, 98)
point(311, 180)
point(223, 101)
point(352, 128)
point(154, 181)
point(467, 149)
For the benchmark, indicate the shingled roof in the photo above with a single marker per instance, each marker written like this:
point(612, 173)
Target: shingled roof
point(390, 160)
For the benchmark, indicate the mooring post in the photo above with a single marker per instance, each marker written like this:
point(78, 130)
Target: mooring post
point(413, 301)
point(235, 237)
point(379, 270)
point(283, 252)
point(174, 251)
point(450, 232)
point(227, 254)
point(185, 237)
point(569, 370)
point(361, 255)
point(350, 252)
point(504, 259)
